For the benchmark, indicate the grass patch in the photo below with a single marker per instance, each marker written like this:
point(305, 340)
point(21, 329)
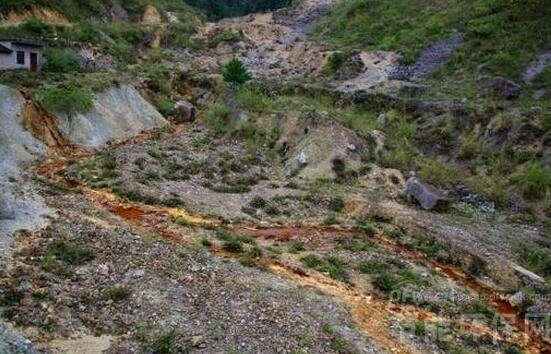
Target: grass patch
point(536, 258)
point(333, 266)
point(115, 292)
point(69, 100)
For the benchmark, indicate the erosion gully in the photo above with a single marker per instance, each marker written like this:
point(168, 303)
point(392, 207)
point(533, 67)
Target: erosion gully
point(370, 312)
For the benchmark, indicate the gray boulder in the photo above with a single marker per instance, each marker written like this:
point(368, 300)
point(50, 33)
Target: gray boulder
point(13, 342)
point(184, 112)
point(118, 113)
point(425, 194)
point(6, 206)
point(501, 87)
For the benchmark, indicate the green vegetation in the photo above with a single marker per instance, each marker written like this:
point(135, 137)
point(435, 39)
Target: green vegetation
point(60, 61)
point(61, 254)
point(331, 265)
point(115, 292)
point(536, 258)
point(235, 72)
point(335, 61)
point(371, 267)
point(296, 247)
point(366, 227)
point(503, 34)
point(535, 180)
point(389, 282)
point(70, 100)
point(231, 8)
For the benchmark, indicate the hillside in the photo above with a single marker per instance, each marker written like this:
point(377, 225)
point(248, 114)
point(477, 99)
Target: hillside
point(315, 176)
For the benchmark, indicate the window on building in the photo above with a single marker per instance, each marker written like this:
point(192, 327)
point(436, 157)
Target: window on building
point(20, 57)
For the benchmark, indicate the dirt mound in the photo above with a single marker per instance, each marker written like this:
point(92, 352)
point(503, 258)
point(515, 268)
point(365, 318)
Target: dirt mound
point(321, 142)
point(151, 16)
point(15, 18)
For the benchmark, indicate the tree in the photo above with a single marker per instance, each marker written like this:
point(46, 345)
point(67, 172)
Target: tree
point(235, 72)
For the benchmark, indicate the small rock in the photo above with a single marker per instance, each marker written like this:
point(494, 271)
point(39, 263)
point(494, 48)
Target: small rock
point(351, 147)
point(103, 269)
point(302, 159)
point(517, 298)
point(13, 342)
point(184, 112)
point(198, 341)
point(425, 194)
point(501, 87)
point(381, 119)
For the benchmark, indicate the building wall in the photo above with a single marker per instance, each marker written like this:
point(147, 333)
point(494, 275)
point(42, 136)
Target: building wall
point(9, 61)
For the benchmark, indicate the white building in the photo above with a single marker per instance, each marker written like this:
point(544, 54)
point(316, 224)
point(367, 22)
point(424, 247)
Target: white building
point(21, 54)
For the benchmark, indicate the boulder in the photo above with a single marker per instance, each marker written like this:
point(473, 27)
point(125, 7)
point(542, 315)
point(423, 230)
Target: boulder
point(425, 194)
point(528, 276)
point(302, 159)
point(13, 342)
point(184, 112)
point(150, 16)
point(501, 87)
point(116, 13)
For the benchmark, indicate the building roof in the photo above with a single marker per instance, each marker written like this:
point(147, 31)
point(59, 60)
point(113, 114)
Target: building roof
point(25, 42)
point(5, 50)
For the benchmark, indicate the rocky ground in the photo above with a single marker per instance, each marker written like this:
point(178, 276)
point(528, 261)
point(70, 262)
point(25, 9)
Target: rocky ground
point(187, 240)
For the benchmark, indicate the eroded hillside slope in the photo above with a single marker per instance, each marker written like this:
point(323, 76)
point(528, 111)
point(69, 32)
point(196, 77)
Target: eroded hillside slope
point(271, 217)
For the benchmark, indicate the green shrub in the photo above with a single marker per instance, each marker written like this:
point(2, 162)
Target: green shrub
point(387, 282)
point(335, 62)
point(60, 61)
point(258, 202)
point(233, 246)
point(420, 328)
point(218, 119)
point(371, 267)
point(227, 35)
point(296, 247)
point(536, 259)
point(336, 204)
point(35, 26)
point(311, 261)
point(535, 180)
point(366, 227)
point(440, 172)
point(70, 100)
point(235, 72)
point(115, 292)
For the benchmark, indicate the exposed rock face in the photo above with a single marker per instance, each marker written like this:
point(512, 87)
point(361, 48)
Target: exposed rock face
point(118, 113)
point(116, 13)
point(42, 125)
point(431, 58)
point(365, 70)
point(17, 146)
point(150, 16)
point(184, 112)
point(537, 66)
point(20, 207)
point(315, 143)
point(93, 59)
point(501, 87)
point(425, 194)
point(154, 40)
point(12, 342)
